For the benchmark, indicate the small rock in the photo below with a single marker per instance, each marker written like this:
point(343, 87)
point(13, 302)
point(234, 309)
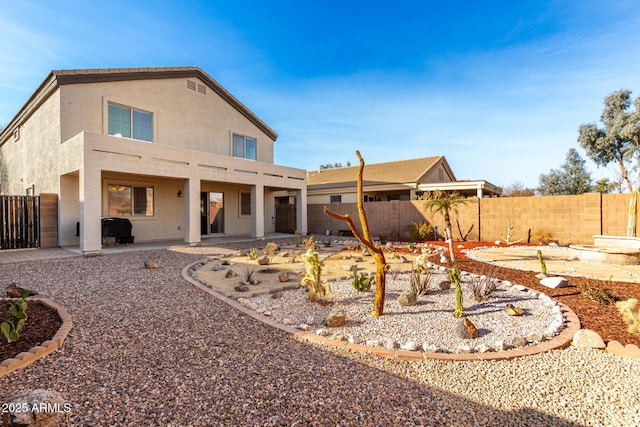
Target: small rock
point(372, 343)
point(519, 342)
point(463, 348)
point(277, 294)
point(444, 259)
point(466, 330)
point(430, 348)
point(365, 251)
point(390, 344)
point(407, 298)
point(261, 310)
point(512, 310)
point(284, 277)
point(349, 267)
point(358, 259)
point(285, 254)
point(230, 273)
point(519, 288)
point(151, 265)
point(483, 348)
point(444, 285)
point(499, 346)
point(218, 267)
point(322, 332)
point(409, 345)
point(15, 291)
point(286, 321)
point(335, 318)
point(310, 320)
point(534, 338)
point(554, 282)
point(263, 260)
point(541, 275)
point(587, 338)
point(303, 327)
point(241, 288)
point(352, 339)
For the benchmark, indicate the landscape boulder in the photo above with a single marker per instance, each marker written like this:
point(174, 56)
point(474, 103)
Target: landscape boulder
point(587, 338)
point(554, 282)
point(335, 318)
point(45, 409)
point(407, 298)
point(465, 329)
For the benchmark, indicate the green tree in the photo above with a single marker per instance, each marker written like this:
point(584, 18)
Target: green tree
point(619, 140)
point(605, 186)
point(445, 203)
point(335, 165)
point(571, 178)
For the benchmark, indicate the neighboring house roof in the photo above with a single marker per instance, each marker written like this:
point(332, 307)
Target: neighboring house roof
point(64, 77)
point(401, 171)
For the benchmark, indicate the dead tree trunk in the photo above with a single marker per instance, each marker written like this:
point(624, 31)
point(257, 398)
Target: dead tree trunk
point(365, 239)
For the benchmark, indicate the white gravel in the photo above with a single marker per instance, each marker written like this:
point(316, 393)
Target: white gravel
point(428, 325)
point(148, 349)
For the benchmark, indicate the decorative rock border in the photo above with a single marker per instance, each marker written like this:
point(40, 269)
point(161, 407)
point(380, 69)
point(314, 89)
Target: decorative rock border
point(25, 359)
point(560, 341)
point(629, 350)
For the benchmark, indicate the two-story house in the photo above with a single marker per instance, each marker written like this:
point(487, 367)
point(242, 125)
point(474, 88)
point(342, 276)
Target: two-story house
point(168, 148)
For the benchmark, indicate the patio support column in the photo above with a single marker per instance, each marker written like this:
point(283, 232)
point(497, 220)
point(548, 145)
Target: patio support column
point(301, 211)
point(479, 191)
point(257, 211)
point(192, 211)
point(90, 210)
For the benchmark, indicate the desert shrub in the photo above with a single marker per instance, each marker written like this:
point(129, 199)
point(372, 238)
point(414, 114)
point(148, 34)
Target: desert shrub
point(362, 282)
point(420, 280)
point(421, 231)
point(313, 270)
point(626, 309)
point(253, 253)
point(18, 312)
point(483, 285)
point(542, 236)
point(270, 249)
point(597, 294)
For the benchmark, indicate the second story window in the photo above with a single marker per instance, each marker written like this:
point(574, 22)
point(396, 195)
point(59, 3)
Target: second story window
point(245, 147)
point(130, 123)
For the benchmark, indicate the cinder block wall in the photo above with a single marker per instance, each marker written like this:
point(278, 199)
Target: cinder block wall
point(566, 219)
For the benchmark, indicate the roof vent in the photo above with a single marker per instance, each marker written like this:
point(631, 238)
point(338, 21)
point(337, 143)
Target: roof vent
point(202, 89)
point(191, 85)
point(16, 134)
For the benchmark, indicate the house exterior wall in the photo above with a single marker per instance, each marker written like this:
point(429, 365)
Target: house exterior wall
point(182, 117)
point(32, 160)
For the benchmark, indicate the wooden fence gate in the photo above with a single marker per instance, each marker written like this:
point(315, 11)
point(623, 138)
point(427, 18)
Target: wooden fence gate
point(19, 222)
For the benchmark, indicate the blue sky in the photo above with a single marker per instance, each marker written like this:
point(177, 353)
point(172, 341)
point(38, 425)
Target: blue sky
point(498, 87)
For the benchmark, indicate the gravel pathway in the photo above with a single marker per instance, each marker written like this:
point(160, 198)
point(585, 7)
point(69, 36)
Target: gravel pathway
point(149, 349)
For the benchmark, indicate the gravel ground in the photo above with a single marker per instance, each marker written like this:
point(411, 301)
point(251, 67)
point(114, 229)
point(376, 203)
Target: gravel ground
point(149, 349)
point(429, 324)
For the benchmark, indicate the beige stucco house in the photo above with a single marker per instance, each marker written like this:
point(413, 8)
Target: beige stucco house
point(167, 148)
point(397, 180)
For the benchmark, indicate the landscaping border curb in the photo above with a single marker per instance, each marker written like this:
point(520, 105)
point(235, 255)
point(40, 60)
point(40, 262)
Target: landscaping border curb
point(560, 341)
point(25, 359)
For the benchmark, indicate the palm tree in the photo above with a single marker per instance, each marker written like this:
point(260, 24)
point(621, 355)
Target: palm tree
point(444, 203)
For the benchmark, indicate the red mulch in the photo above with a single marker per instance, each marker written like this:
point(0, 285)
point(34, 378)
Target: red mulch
point(604, 319)
point(42, 324)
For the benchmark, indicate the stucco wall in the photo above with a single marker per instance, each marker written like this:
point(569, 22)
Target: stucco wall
point(32, 159)
point(181, 117)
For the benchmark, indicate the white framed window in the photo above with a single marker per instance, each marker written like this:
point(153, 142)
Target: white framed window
point(335, 198)
point(130, 123)
point(245, 147)
point(129, 200)
point(245, 204)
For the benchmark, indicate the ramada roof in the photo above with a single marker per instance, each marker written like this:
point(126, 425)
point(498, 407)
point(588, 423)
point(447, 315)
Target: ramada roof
point(401, 171)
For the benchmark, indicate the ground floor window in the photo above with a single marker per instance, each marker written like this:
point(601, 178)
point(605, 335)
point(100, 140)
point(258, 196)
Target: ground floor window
point(335, 198)
point(129, 200)
point(245, 203)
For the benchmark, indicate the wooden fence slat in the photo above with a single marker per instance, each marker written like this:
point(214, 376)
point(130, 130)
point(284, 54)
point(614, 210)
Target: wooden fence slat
point(19, 222)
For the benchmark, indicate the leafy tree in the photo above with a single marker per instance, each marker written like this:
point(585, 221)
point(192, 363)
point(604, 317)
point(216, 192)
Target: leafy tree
point(335, 165)
point(517, 189)
point(445, 203)
point(604, 186)
point(571, 178)
point(619, 140)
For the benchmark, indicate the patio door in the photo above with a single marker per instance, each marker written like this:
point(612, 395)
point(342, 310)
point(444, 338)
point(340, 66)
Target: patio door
point(211, 213)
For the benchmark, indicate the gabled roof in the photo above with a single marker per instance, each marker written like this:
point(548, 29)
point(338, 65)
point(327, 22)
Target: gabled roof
point(401, 171)
point(64, 77)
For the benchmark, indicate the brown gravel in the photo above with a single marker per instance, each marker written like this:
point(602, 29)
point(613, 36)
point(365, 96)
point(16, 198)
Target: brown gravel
point(149, 349)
